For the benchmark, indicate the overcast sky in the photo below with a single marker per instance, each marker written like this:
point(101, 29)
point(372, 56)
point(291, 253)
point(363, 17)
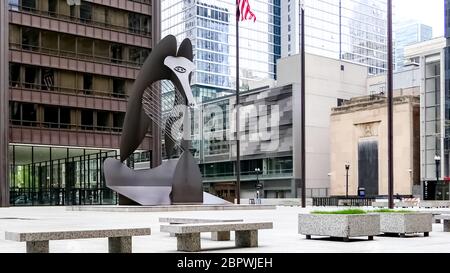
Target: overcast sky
point(429, 12)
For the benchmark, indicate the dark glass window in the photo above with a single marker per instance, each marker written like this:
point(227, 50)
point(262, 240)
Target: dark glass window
point(29, 5)
point(102, 120)
point(116, 53)
point(52, 7)
point(29, 114)
point(87, 119)
point(30, 76)
point(118, 87)
point(14, 74)
point(87, 83)
point(51, 116)
point(30, 38)
point(118, 119)
point(64, 118)
point(85, 12)
point(15, 113)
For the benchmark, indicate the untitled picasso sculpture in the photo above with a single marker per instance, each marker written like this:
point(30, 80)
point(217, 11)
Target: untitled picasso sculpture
point(175, 181)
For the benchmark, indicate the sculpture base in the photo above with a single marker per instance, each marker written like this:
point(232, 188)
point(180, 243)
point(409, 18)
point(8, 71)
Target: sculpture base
point(170, 208)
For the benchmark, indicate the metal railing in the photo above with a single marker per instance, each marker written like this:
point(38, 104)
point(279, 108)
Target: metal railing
point(68, 126)
point(62, 197)
point(66, 90)
point(82, 21)
point(342, 201)
point(270, 174)
point(74, 55)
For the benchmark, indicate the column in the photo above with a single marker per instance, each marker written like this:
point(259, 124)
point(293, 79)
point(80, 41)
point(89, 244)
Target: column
point(4, 105)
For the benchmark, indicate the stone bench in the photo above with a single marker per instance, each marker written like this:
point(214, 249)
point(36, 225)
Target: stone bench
point(215, 236)
point(119, 240)
point(188, 235)
point(446, 220)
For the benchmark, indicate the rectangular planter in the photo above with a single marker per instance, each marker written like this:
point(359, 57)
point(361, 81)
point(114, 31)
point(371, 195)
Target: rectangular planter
point(339, 225)
point(435, 204)
point(406, 223)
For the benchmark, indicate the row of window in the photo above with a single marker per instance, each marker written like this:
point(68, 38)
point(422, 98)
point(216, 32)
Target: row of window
point(88, 13)
point(33, 77)
point(66, 45)
point(58, 117)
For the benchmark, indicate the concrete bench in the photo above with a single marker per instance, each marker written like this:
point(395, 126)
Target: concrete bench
point(446, 220)
point(215, 236)
point(188, 235)
point(119, 240)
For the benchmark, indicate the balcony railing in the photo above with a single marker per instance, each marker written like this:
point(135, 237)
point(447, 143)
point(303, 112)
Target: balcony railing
point(267, 175)
point(67, 90)
point(74, 55)
point(86, 22)
point(65, 126)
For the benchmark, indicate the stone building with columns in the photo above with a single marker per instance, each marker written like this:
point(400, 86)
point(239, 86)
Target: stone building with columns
point(359, 139)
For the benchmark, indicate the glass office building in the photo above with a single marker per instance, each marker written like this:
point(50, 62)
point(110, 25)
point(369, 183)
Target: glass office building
point(352, 30)
point(408, 33)
point(211, 26)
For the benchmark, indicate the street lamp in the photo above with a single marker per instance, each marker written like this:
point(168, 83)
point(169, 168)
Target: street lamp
point(437, 160)
point(257, 171)
point(347, 168)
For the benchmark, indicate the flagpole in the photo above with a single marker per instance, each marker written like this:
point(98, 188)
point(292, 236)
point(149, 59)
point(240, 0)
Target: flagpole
point(390, 109)
point(303, 106)
point(238, 140)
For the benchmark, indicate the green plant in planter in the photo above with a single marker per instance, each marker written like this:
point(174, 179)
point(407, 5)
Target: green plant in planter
point(344, 212)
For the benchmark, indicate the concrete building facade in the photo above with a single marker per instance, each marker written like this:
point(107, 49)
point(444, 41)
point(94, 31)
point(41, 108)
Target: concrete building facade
point(330, 82)
point(358, 133)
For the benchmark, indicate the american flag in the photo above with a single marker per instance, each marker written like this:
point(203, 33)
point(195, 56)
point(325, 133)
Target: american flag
point(244, 11)
point(48, 79)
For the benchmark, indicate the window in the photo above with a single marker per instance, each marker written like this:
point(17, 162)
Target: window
point(133, 22)
point(14, 75)
point(30, 39)
point(30, 77)
point(118, 119)
point(118, 87)
point(341, 102)
point(29, 114)
point(29, 5)
point(51, 116)
point(48, 79)
point(87, 119)
point(15, 113)
point(52, 7)
point(87, 83)
point(116, 53)
point(102, 120)
point(64, 117)
point(85, 12)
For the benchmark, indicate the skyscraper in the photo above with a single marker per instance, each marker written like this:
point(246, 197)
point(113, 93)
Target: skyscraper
point(70, 67)
point(353, 30)
point(211, 25)
point(408, 33)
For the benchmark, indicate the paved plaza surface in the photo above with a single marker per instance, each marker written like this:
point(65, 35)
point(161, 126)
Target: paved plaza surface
point(283, 238)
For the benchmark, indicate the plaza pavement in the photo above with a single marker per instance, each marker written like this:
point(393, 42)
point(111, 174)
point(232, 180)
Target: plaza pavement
point(283, 238)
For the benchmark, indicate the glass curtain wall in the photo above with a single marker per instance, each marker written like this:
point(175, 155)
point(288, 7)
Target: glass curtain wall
point(58, 176)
